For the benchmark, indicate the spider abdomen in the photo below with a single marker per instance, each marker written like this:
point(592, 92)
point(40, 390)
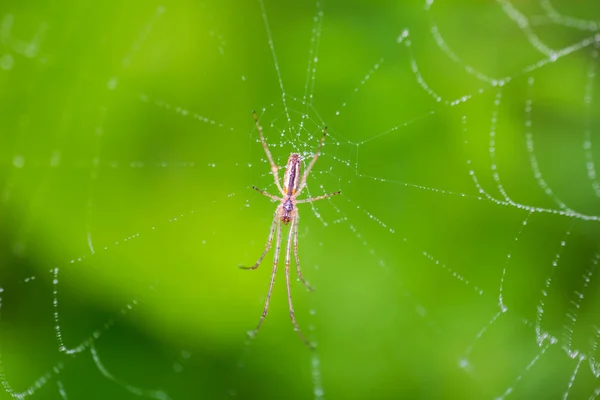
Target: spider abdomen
point(292, 174)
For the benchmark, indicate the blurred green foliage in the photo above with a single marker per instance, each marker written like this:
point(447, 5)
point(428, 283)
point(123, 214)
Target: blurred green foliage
point(128, 153)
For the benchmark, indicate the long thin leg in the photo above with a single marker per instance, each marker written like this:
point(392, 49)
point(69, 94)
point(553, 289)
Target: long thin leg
point(289, 288)
point(312, 162)
point(268, 246)
point(296, 220)
point(274, 198)
point(274, 168)
point(319, 197)
point(275, 261)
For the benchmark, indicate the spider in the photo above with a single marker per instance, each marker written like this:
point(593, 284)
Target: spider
point(286, 213)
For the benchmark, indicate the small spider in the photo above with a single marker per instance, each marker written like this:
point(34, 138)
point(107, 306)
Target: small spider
point(287, 213)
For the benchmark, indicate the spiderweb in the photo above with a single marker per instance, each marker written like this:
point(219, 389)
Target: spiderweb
point(460, 261)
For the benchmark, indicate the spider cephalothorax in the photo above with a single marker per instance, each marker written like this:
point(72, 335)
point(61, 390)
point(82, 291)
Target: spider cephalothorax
point(287, 213)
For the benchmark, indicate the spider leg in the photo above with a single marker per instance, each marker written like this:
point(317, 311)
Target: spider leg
point(295, 227)
point(275, 261)
point(274, 198)
point(312, 162)
point(319, 197)
point(274, 167)
point(269, 241)
point(289, 290)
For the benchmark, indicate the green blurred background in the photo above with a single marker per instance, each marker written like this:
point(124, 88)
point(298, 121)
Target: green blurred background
point(128, 153)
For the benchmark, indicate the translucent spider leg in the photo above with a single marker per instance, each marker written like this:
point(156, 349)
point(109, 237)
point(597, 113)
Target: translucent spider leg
point(274, 167)
point(312, 162)
point(289, 288)
point(325, 196)
point(275, 261)
point(269, 195)
point(269, 241)
point(295, 228)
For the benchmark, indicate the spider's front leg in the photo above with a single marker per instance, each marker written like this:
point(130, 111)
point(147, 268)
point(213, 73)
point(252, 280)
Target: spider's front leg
point(295, 228)
point(275, 261)
point(269, 241)
point(287, 280)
